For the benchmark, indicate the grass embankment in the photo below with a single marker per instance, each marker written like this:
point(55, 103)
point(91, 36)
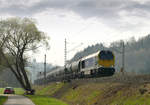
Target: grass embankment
point(48, 89)
point(137, 95)
point(1, 90)
point(96, 93)
point(2, 99)
point(18, 91)
point(43, 93)
point(108, 94)
point(45, 100)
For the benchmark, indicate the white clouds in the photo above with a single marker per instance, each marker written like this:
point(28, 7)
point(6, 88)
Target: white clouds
point(6, 3)
point(141, 1)
point(85, 8)
point(110, 12)
point(87, 21)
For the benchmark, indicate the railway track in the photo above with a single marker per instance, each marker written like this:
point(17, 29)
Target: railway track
point(118, 78)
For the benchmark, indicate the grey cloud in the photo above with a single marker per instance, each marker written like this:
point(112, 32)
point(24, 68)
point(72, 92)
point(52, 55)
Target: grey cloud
point(95, 9)
point(83, 7)
point(107, 11)
point(23, 9)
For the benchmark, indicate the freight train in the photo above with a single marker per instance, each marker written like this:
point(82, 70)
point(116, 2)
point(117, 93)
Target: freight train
point(101, 63)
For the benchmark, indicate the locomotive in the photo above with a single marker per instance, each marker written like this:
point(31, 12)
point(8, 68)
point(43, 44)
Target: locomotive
point(101, 63)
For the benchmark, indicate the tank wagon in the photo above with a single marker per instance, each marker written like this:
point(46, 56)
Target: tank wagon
point(101, 63)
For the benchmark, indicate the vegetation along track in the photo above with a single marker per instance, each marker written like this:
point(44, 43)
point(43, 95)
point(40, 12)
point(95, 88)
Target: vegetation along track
point(126, 89)
point(118, 78)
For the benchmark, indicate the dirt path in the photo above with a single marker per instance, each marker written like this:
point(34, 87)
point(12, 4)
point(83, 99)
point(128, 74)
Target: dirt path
point(18, 100)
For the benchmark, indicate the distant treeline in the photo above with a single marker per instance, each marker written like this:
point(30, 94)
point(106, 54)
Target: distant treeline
point(137, 54)
point(7, 78)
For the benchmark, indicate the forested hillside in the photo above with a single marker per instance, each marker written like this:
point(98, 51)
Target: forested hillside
point(137, 54)
point(7, 78)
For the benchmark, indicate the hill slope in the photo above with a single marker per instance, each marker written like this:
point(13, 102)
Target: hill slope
point(122, 90)
point(137, 54)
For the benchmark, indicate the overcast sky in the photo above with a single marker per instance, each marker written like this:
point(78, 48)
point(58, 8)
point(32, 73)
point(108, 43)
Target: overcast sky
point(81, 21)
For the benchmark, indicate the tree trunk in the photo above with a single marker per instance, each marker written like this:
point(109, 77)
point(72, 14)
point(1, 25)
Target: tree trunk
point(23, 79)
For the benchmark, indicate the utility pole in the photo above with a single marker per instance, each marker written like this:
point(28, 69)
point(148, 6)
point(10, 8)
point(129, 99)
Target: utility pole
point(123, 56)
point(65, 54)
point(45, 69)
point(65, 59)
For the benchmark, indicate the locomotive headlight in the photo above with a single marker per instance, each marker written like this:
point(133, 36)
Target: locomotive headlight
point(100, 66)
point(112, 66)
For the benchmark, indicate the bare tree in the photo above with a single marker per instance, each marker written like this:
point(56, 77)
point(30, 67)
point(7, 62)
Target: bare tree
point(17, 37)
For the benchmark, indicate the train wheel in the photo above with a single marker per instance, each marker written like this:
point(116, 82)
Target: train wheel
point(82, 74)
point(91, 73)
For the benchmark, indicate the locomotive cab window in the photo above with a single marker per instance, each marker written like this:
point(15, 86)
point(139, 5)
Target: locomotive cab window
point(90, 62)
point(106, 55)
point(83, 64)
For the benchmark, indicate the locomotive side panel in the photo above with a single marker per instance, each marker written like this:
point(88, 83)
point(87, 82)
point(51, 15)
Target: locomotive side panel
point(100, 63)
point(88, 64)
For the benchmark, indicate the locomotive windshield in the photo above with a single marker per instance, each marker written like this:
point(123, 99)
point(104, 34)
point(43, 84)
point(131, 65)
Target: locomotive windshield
point(106, 55)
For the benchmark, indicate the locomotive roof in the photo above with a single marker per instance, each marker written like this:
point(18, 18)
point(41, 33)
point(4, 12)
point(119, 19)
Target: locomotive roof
point(90, 56)
point(55, 70)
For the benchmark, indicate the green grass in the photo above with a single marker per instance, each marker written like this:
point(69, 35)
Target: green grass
point(83, 95)
point(18, 91)
point(133, 100)
point(45, 100)
point(1, 90)
point(97, 93)
point(2, 99)
point(49, 89)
